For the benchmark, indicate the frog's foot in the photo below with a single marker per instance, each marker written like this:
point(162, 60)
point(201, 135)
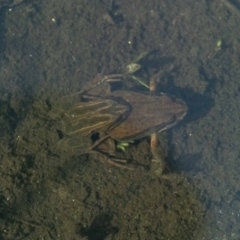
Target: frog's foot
point(101, 79)
point(106, 79)
point(118, 162)
point(157, 167)
point(157, 163)
point(159, 170)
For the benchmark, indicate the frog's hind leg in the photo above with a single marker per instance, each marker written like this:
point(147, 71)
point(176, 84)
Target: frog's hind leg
point(157, 163)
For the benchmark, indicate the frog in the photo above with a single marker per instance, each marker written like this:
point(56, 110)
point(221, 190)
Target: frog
point(151, 113)
point(131, 115)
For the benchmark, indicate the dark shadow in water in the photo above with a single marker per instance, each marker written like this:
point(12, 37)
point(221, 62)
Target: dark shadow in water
point(198, 106)
point(235, 3)
point(188, 163)
point(100, 228)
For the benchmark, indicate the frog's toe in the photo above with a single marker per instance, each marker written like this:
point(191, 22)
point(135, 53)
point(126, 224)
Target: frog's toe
point(157, 166)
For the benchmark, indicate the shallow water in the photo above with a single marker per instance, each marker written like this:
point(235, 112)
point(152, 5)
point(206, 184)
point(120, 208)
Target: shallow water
point(50, 49)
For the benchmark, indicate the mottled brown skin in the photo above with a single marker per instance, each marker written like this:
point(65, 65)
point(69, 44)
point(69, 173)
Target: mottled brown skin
point(150, 113)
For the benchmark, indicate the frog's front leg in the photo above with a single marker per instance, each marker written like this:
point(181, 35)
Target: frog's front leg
point(157, 163)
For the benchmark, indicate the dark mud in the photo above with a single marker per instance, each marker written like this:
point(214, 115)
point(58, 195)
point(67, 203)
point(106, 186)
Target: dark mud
point(52, 48)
